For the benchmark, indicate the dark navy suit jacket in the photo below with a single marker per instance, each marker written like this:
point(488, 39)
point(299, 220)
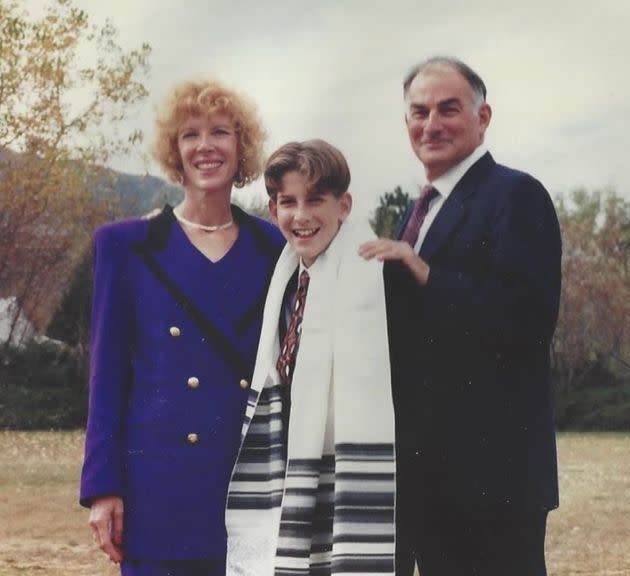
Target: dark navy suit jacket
point(174, 339)
point(470, 350)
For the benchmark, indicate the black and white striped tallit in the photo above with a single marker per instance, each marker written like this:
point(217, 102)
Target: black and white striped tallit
point(330, 510)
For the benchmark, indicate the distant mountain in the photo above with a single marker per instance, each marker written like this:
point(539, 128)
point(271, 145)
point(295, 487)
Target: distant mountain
point(135, 194)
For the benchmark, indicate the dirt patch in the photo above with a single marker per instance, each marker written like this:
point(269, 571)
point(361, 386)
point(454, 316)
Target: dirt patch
point(44, 531)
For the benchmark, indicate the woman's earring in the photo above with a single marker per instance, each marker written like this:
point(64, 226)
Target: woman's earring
point(238, 177)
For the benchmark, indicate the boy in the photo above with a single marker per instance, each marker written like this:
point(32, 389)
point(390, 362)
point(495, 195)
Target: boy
point(313, 487)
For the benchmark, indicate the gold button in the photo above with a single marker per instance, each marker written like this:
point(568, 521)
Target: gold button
point(244, 383)
point(175, 331)
point(193, 382)
point(193, 438)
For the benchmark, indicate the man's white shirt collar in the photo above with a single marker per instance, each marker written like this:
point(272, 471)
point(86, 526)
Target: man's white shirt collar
point(447, 181)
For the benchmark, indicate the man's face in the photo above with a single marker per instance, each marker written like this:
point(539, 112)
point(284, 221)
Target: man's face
point(443, 121)
point(308, 219)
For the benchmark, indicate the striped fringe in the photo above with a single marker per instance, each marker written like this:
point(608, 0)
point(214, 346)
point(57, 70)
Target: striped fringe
point(337, 512)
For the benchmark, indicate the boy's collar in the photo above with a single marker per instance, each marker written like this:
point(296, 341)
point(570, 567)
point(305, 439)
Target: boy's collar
point(313, 267)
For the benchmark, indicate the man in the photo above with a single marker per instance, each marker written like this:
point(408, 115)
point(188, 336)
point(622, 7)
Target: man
point(472, 304)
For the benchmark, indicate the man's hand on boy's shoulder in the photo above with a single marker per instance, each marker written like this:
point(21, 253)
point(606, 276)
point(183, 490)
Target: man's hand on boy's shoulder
point(385, 249)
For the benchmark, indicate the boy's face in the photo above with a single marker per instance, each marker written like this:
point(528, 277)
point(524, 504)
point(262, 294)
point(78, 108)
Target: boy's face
point(308, 220)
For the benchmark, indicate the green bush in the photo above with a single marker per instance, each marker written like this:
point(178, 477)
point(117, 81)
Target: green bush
point(42, 386)
point(597, 399)
point(604, 407)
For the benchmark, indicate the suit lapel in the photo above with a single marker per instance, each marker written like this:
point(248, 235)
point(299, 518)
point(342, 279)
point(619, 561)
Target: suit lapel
point(447, 219)
point(454, 209)
point(403, 221)
point(270, 253)
point(289, 294)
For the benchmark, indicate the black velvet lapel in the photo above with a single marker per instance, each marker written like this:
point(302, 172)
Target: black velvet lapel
point(157, 239)
point(230, 352)
point(272, 251)
point(159, 230)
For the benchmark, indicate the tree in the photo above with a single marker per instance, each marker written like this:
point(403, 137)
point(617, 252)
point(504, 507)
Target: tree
point(593, 330)
point(254, 204)
point(392, 206)
point(71, 321)
point(60, 122)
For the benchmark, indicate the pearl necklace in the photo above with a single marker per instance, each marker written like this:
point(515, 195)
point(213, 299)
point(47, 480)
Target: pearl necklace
point(202, 227)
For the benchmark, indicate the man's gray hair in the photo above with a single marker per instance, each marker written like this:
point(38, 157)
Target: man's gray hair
point(473, 79)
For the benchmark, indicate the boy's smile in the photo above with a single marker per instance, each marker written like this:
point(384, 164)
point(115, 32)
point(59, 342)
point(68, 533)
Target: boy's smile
point(308, 219)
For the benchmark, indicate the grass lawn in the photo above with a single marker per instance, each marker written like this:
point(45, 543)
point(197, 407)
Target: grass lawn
point(43, 531)
point(589, 535)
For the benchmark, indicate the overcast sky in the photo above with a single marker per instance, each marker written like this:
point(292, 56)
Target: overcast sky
point(556, 72)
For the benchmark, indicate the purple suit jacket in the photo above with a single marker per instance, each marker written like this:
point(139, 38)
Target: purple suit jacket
point(174, 339)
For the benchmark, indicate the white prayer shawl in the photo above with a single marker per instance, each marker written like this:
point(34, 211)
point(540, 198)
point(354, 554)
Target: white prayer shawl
point(330, 510)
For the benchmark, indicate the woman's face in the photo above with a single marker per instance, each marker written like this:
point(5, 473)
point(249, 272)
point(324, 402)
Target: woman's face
point(208, 148)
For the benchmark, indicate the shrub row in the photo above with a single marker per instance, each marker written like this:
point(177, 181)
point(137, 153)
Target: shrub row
point(44, 386)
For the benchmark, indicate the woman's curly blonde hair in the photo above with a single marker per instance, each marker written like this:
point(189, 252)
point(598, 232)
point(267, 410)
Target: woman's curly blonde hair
point(205, 98)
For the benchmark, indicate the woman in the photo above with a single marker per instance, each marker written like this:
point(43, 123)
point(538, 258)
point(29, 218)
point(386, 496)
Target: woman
point(177, 311)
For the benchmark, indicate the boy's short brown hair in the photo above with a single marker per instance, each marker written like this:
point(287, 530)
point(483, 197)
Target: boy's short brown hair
point(323, 165)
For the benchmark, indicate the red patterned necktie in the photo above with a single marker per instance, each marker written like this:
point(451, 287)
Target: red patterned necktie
point(291, 342)
point(418, 214)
